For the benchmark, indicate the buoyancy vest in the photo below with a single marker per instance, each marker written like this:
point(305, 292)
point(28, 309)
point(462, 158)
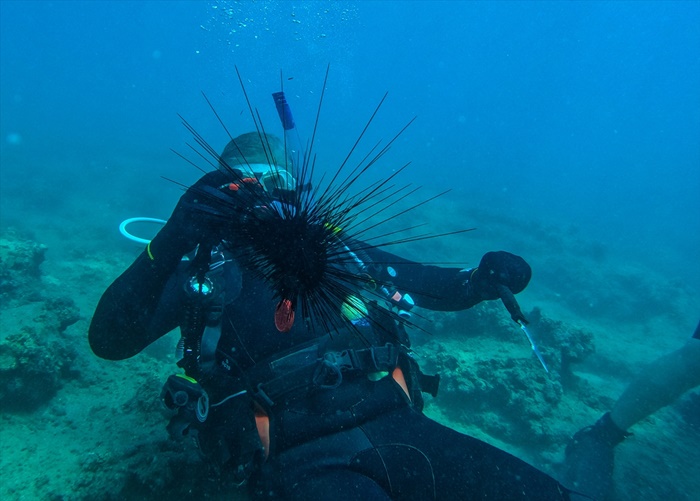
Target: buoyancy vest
point(246, 408)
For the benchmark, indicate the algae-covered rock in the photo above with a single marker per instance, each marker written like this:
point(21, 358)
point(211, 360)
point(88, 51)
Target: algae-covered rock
point(60, 311)
point(573, 343)
point(32, 368)
point(519, 392)
point(34, 357)
point(490, 379)
point(20, 267)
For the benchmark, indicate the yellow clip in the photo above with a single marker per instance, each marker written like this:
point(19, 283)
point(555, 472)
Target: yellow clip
point(334, 229)
point(185, 376)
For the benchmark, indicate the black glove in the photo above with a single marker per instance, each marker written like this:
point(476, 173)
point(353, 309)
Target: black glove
point(501, 275)
point(511, 305)
point(198, 219)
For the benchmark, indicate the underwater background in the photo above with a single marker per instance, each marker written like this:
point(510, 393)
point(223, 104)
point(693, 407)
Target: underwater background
point(567, 132)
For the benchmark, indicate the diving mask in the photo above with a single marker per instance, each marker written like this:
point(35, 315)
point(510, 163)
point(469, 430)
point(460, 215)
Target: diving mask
point(271, 177)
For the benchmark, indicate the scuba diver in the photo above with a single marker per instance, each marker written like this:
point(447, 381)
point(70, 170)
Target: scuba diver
point(299, 380)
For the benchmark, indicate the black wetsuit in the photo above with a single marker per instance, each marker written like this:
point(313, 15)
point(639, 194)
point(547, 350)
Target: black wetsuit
point(401, 454)
point(365, 439)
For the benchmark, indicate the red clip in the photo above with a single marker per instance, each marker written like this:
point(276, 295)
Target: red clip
point(284, 315)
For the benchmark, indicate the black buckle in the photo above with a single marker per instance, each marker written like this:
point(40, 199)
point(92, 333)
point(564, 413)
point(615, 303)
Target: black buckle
point(327, 375)
point(262, 395)
point(385, 357)
point(343, 360)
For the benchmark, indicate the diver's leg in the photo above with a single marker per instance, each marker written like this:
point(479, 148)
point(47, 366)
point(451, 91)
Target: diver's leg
point(460, 467)
point(659, 385)
point(338, 485)
point(318, 470)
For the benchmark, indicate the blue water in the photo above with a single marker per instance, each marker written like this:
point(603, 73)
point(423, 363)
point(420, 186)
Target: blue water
point(569, 112)
point(579, 120)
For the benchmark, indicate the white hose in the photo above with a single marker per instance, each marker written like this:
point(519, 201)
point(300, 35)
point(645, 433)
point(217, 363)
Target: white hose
point(127, 222)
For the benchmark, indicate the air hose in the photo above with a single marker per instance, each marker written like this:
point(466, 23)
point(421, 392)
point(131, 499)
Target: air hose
point(134, 238)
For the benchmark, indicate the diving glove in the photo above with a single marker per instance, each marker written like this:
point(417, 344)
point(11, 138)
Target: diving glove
point(193, 221)
point(501, 275)
point(500, 268)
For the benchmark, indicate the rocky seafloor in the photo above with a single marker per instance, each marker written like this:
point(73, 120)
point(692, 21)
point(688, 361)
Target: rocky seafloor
point(78, 428)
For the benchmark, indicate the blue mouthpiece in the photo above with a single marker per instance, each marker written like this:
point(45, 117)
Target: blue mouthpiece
point(283, 110)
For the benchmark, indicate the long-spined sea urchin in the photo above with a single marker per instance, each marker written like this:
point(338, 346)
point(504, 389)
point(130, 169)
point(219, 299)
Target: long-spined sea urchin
point(297, 240)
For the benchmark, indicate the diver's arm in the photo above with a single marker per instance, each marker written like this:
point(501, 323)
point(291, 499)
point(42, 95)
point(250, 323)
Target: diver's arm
point(500, 274)
point(431, 287)
point(133, 312)
point(127, 318)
